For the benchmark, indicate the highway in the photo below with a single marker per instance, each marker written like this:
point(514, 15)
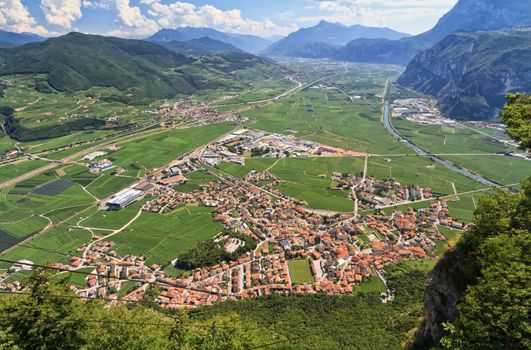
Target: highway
point(391, 129)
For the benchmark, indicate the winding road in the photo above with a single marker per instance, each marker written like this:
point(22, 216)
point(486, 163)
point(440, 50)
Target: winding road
point(391, 129)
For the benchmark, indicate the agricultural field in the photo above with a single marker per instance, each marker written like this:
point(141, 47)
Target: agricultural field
point(9, 171)
point(258, 91)
point(159, 149)
point(35, 109)
point(501, 169)
point(161, 238)
point(308, 179)
point(195, 180)
point(56, 245)
point(109, 220)
point(299, 271)
point(448, 140)
point(335, 121)
point(31, 205)
point(413, 170)
point(451, 237)
point(106, 185)
point(257, 164)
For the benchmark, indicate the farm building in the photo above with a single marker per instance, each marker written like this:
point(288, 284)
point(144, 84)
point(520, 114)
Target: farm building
point(124, 198)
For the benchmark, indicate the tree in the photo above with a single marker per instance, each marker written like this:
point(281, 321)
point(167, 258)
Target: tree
point(494, 311)
point(50, 316)
point(516, 114)
point(40, 322)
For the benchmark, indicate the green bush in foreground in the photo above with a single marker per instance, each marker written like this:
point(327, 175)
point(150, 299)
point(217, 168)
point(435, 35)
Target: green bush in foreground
point(494, 310)
point(41, 321)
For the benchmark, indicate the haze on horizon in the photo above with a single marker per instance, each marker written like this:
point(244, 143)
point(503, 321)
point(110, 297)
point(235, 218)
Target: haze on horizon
point(141, 18)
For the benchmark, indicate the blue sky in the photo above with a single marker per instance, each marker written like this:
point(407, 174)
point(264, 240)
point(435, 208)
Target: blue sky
point(140, 18)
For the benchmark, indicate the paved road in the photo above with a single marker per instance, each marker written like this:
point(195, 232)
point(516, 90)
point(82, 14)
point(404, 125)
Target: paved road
point(391, 129)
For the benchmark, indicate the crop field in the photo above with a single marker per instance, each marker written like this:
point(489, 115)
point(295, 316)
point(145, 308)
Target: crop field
point(35, 108)
point(257, 164)
point(26, 211)
point(502, 169)
point(463, 209)
point(52, 187)
point(261, 90)
point(420, 171)
point(195, 180)
point(299, 271)
point(335, 121)
point(451, 237)
point(303, 180)
point(157, 150)
point(9, 171)
point(161, 238)
point(83, 136)
point(438, 139)
point(106, 185)
point(56, 245)
point(303, 177)
point(111, 220)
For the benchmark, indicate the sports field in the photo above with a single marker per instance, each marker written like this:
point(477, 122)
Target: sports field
point(299, 271)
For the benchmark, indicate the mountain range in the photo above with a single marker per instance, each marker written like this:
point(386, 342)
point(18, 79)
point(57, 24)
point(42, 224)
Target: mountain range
point(201, 46)
point(79, 61)
point(326, 35)
point(471, 72)
point(466, 15)
point(10, 39)
point(248, 43)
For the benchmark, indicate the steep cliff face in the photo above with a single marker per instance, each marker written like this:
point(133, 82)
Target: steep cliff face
point(481, 15)
point(470, 73)
point(443, 292)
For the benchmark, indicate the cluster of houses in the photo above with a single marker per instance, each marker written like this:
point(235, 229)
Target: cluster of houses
point(339, 258)
point(195, 112)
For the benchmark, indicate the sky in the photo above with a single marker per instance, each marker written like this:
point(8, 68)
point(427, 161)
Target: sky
point(267, 18)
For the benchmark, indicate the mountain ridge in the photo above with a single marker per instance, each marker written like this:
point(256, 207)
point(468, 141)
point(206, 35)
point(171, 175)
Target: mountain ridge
point(471, 72)
point(249, 43)
point(326, 33)
point(466, 15)
point(201, 46)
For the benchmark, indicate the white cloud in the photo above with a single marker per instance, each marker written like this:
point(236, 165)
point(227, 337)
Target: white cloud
point(96, 4)
point(132, 21)
point(62, 13)
point(182, 14)
point(408, 15)
point(14, 16)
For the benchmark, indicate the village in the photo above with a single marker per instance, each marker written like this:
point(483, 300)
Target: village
point(342, 250)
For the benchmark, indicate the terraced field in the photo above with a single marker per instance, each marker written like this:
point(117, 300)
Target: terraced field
point(161, 238)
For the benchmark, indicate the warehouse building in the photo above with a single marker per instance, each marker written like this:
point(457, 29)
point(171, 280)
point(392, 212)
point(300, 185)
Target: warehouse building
point(124, 198)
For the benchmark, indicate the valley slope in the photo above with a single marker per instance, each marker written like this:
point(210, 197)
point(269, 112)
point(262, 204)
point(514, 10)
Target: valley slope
point(470, 73)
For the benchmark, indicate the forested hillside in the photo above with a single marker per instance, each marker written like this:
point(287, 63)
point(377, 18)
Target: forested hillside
point(478, 296)
point(78, 62)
